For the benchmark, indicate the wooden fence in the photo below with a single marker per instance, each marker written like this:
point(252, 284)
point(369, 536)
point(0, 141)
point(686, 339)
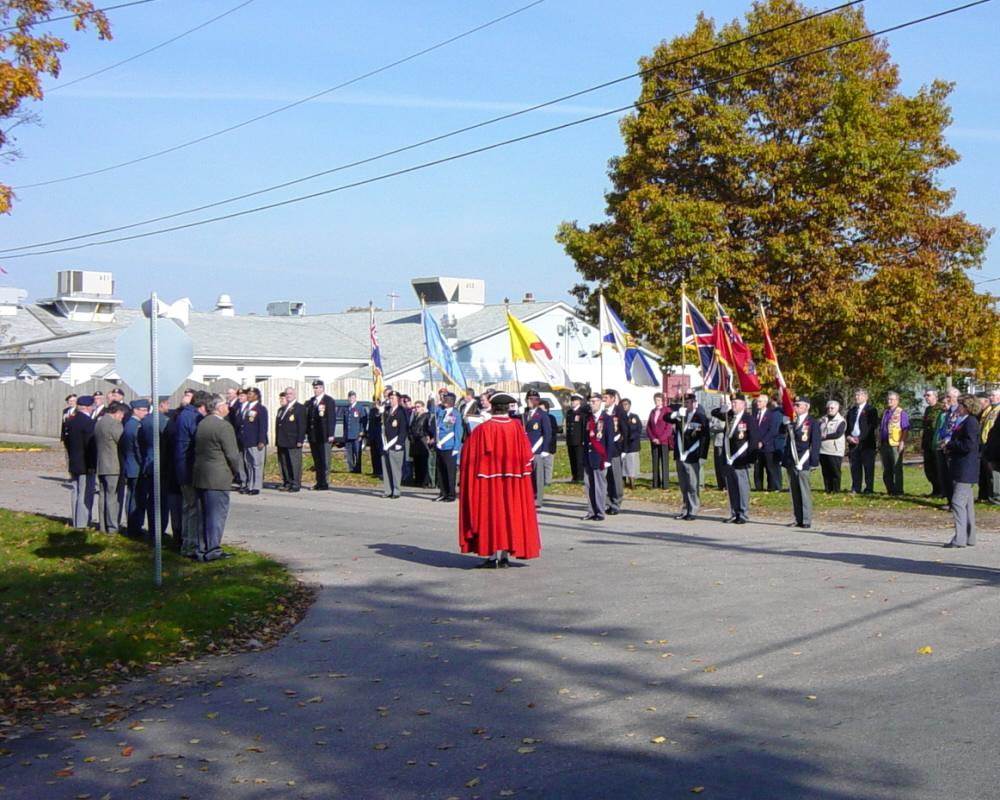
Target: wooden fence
point(35, 409)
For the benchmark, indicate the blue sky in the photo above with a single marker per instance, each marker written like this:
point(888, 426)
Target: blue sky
point(490, 216)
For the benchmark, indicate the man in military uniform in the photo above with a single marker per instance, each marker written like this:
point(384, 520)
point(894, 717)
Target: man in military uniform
point(321, 411)
point(800, 458)
point(616, 483)
point(395, 430)
point(691, 439)
point(355, 421)
point(596, 448)
point(254, 438)
point(131, 458)
point(289, 436)
point(447, 441)
point(633, 444)
point(552, 445)
point(576, 437)
point(107, 435)
point(739, 447)
point(538, 426)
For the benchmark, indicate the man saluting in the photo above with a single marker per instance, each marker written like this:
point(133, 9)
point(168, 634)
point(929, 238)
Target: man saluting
point(497, 516)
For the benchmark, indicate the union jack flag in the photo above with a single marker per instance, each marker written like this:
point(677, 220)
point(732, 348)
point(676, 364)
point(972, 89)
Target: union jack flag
point(376, 357)
point(698, 335)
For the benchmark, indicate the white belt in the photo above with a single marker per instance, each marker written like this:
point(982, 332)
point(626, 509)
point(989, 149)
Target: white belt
point(690, 450)
point(617, 437)
point(737, 454)
point(537, 444)
point(391, 442)
point(800, 462)
point(446, 439)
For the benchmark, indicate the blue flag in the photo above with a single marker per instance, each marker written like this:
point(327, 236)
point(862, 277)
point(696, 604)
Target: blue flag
point(439, 353)
point(638, 370)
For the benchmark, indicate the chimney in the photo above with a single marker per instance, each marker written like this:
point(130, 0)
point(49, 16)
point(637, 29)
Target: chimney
point(224, 306)
point(529, 297)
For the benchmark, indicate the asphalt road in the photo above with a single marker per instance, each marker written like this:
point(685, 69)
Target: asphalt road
point(774, 663)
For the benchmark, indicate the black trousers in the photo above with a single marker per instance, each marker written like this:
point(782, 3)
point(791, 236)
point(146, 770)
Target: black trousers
point(321, 458)
point(931, 472)
point(290, 461)
point(576, 461)
point(768, 464)
point(446, 469)
point(719, 461)
point(831, 466)
point(420, 457)
point(862, 469)
point(661, 465)
point(944, 475)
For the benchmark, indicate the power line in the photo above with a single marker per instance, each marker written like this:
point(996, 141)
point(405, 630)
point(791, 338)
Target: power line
point(439, 137)
point(286, 107)
point(75, 16)
point(536, 134)
point(152, 49)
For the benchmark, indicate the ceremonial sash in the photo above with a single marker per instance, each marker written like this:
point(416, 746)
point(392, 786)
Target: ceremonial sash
point(595, 440)
point(738, 453)
point(445, 439)
point(538, 443)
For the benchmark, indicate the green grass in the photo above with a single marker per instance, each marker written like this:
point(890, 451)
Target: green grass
point(79, 610)
point(913, 504)
point(22, 447)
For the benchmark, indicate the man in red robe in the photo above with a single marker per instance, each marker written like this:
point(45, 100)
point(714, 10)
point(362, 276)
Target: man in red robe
point(497, 516)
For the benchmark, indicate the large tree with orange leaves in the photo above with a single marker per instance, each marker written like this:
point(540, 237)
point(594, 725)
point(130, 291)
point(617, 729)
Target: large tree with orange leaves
point(815, 187)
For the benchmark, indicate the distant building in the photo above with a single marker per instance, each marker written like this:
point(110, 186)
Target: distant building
point(72, 337)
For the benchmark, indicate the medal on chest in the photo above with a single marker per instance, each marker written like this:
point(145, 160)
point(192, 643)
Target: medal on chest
point(805, 431)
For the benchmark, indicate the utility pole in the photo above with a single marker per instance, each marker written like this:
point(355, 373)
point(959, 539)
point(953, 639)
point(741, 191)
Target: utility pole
point(393, 297)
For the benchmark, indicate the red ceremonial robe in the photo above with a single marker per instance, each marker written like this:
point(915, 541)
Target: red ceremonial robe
point(497, 509)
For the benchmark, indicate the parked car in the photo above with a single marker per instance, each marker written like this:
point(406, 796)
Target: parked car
point(338, 429)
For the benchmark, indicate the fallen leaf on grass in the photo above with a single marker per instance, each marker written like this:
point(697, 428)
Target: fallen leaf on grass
point(127, 751)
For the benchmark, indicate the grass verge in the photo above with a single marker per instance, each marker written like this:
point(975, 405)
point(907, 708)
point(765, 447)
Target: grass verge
point(22, 447)
point(80, 613)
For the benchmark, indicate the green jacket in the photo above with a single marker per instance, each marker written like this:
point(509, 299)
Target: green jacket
point(216, 456)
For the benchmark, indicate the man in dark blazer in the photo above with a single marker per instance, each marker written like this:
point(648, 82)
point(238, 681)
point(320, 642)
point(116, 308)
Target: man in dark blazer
point(289, 436)
point(597, 445)
point(355, 420)
point(739, 447)
point(619, 421)
point(538, 426)
point(862, 442)
point(134, 503)
point(768, 421)
point(254, 440)
point(691, 442)
point(82, 457)
point(395, 431)
point(321, 415)
point(576, 437)
point(800, 458)
point(235, 400)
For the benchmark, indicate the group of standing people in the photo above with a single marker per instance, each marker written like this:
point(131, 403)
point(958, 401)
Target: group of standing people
point(110, 455)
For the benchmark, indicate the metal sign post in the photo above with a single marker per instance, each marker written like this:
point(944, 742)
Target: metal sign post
point(154, 363)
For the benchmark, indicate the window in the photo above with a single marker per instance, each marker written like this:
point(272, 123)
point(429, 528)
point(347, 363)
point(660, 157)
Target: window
point(261, 378)
point(210, 378)
point(311, 378)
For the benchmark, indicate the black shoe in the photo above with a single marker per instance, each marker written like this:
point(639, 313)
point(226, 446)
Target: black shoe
point(296, 489)
point(489, 563)
point(504, 563)
point(793, 525)
point(952, 544)
point(253, 491)
point(806, 525)
point(318, 488)
point(612, 511)
point(681, 516)
point(448, 500)
point(283, 489)
point(739, 521)
point(437, 499)
point(730, 519)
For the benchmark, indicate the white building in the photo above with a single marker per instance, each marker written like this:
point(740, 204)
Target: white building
point(72, 337)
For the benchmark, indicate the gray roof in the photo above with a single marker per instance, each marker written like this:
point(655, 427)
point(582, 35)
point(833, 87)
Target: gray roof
point(343, 336)
point(42, 370)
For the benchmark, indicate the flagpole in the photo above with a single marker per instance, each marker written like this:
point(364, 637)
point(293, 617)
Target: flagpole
point(430, 370)
point(517, 379)
point(683, 343)
point(600, 337)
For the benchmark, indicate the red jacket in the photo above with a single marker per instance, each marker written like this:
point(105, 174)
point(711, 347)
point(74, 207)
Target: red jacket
point(660, 430)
